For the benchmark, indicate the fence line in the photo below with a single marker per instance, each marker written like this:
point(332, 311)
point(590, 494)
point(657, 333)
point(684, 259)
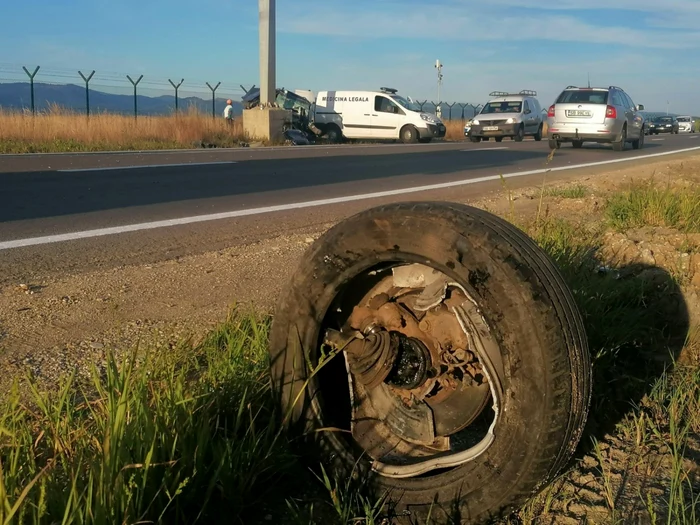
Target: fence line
point(446, 110)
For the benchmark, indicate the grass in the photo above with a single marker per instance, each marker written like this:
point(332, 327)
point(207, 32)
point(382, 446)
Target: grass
point(578, 191)
point(188, 436)
point(59, 130)
point(180, 438)
point(649, 204)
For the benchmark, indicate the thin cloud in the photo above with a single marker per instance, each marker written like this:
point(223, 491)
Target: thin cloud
point(451, 22)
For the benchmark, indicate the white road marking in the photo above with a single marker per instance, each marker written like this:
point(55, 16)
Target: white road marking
point(73, 170)
point(658, 140)
point(99, 232)
point(486, 149)
point(693, 137)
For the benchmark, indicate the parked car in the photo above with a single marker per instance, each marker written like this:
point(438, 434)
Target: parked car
point(685, 124)
point(595, 114)
point(664, 124)
point(514, 115)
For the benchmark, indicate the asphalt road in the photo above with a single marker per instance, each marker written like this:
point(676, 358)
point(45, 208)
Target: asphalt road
point(261, 192)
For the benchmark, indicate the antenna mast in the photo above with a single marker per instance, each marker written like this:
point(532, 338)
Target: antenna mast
point(438, 66)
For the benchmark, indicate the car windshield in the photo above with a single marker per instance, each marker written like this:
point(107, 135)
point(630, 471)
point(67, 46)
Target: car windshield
point(512, 106)
point(664, 119)
point(683, 119)
point(412, 106)
point(583, 97)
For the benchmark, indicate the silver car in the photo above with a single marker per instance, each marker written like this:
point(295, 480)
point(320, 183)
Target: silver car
point(602, 115)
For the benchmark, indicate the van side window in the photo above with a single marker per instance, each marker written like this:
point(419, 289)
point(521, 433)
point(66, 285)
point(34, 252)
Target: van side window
point(526, 109)
point(384, 105)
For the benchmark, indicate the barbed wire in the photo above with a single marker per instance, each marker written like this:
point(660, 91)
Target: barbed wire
point(112, 80)
point(117, 83)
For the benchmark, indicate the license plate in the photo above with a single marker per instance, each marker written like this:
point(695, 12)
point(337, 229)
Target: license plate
point(578, 113)
point(490, 128)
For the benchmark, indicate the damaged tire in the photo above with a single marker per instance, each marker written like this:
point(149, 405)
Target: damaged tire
point(456, 378)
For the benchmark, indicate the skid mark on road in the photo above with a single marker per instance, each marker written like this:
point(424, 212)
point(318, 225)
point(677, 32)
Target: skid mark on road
point(99, 232)
point(146, 166)
point(486, 149)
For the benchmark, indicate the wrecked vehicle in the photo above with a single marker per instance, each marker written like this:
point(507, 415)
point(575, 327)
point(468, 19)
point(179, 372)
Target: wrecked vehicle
point(300, 107)
point(433, 351)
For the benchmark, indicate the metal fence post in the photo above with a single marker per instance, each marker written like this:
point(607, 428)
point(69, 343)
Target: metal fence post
point(463, 106)
point(450, 106)
point(135, 102)
point(213, 98)
point(421, 104)
point(31, 83)
point(87, 90)
point(176, 89)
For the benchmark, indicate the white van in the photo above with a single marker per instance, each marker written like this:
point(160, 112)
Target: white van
point(374, 115)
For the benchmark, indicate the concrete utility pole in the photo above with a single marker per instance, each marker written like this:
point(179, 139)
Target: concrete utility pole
point(267, 52)
point(266, 122)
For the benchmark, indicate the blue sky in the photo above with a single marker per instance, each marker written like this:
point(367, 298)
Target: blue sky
point(651, 48)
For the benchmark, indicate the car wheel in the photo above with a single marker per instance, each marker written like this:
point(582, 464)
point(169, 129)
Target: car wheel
point(396, 291)
point(475, 139)
point(554, 144)
point(499, 139)
point(619, 145)
point(639, 143)
point(577, 143)
point(333, 134)
point(409, 135)
point(520, 134)
point(538, 136)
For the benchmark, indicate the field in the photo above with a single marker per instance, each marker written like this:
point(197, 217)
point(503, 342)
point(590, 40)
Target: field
point(157, 425)
point(59, 131)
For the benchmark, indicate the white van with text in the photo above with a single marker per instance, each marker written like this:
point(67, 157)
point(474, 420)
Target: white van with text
point(374, 115)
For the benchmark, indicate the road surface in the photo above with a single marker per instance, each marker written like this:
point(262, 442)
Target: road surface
point(69, 211)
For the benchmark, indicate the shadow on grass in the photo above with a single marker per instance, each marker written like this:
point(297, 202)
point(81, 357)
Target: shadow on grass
point(636, 319)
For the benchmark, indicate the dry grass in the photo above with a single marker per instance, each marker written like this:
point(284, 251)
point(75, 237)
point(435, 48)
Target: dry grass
point(455, 129)
point(61, 130)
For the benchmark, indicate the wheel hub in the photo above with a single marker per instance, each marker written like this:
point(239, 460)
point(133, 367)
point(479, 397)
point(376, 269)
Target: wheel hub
point(415, 378)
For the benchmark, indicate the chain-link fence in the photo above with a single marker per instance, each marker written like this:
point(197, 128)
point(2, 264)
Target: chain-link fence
point(38, 88)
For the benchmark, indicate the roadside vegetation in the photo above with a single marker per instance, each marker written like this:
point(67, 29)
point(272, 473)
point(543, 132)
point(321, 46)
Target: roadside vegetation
point(189, 435)
point(59, 130)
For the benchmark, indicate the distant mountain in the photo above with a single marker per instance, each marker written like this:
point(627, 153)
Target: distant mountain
point(18, 96)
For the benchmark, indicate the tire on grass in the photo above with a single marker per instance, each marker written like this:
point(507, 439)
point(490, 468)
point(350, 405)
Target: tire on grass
point(522, 322)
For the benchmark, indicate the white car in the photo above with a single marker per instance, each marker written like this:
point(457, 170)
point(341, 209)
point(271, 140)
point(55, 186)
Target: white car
point(685, 124)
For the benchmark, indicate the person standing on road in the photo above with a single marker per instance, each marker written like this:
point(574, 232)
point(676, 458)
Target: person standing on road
point(228, 112)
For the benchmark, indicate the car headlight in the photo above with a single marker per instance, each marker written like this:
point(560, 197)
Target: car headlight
point(429, 118)
point(475, 122)
point(510, 121)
